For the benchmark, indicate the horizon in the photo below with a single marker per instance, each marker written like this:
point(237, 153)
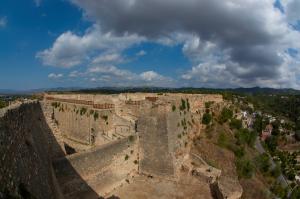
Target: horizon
point(171, 44)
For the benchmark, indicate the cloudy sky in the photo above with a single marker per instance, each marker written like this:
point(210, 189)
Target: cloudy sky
point(169, 43)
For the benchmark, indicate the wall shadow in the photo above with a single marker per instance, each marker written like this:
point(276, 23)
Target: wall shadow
point(70, 182)
point(26, 163)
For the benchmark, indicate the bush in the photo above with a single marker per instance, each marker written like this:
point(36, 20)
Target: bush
point(96, 115)
point(206, 118)
point(131, 138)
point(183, 106)
point(279, 191)
point(208, 104)
point(226, 114)
point(244, 168)
point(83, 110)
point(222, 140)
point(126, 157)
point(244, 136)
point(271, 143)
point(239, 151)
point(2, 104)
point(188, 104)
point(104, 117)
point(173, 108)
point(55, 104)
point(263, 162)
point(235, 124)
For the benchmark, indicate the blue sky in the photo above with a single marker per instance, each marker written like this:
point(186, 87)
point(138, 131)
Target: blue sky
point(94, 43)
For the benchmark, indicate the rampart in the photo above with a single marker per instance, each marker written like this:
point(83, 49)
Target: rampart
point(26, 170)
point(102, 168)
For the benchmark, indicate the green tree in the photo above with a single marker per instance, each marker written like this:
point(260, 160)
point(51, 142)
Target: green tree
point(271, 143)
point(263, 162)
point(206, 119)
point(226, 114)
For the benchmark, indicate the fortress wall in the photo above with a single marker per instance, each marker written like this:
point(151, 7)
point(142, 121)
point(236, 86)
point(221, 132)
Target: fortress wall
point(95, 160)
point(25, 166)
point(79, 122)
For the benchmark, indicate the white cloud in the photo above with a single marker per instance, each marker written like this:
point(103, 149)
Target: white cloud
point(229, 43)
point(105, 58)
point(70, 50)
point(141, 53)
point(55, 76)
point(292, 10)
point(75, 74)
point(3, 22)
point(150, 75)
point(113, 75)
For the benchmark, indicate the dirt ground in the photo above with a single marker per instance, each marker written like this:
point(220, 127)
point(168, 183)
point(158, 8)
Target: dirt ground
point(143, 187)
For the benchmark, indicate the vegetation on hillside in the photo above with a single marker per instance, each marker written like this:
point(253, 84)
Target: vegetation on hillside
point(3, 104)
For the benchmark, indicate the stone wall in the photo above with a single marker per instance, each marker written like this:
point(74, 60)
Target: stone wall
point(102, 168)
point(25, 165)
point(82, 123)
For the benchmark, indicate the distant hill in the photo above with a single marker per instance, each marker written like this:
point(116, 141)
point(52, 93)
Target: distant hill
point(254, 90)
point(113, 90)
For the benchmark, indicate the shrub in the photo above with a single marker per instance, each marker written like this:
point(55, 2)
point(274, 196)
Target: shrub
point(183, 106)
point(279, 191)
point(239, 151)
point(135, 161)
point(226, 114)
point(126, 157)
point(188, 104)
point(244, 136)
point(235, 124)
point(173, 108)
point(263, 162)
point(2, 104)
point(244, 168)
point(104, 117)
point(131, 138)
point(222, 140)
point(55, 104)
point(83, 110)
point(208, 104)
point(206, 119)
point(96, 115)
